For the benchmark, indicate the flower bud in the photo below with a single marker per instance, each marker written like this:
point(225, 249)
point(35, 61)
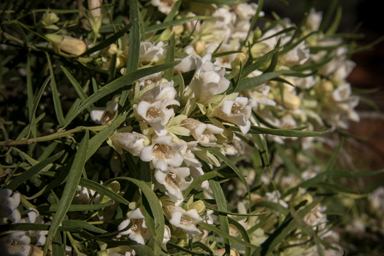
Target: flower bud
point(178, 29)
point(49, 18)
point(110, 50)
point(220, 252)
point(199, 206)
point(68, 44)
point(291, 101)
point(200, 47)
point(324, 87)
point(94, 8)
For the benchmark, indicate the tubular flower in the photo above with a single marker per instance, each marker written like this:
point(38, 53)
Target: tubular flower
point(131, 142)
point(163, 152)
point(236, 111)
point(203, 133)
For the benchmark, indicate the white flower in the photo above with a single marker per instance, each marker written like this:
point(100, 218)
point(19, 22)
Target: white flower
point(163, 152)
point(165, 6)
point(313, 20)
point(131, 142)
point(8, 205)
point(175, 181)
point(150, 79)
point(156, 115)
point(246, 11)
point(304, 82)
point(376, 201)
point(224, 18)
point(34, 217)
point(104, 115)
point(164, 90)
point(17, 243)
point(138, 231)
point(189, 157)
point(298, 55)
point(236, 111)
point(211, 83)
point(183, 219)
point(203, 133)
point(197, 172)
point(259, 95)
point(275, 197)
point(152, 53)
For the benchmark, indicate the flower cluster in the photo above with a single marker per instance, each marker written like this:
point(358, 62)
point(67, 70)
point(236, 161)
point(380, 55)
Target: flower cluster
point(204, 127)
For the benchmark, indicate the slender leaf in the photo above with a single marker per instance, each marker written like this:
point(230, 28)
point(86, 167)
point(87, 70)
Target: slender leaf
point(242, 232)
point(167, 24)
point(90, 184)
point(76, 207)
point(83, 225)
point(110, 40)
point(55, 94)
point(69, 190)
point(32, 171)
point(257, 80)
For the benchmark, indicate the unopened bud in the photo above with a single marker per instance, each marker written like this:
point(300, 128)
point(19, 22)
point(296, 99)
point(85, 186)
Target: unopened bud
point(119, 63)
point(200, 47)
point(324, 87)
point(110, 50)
point(178, 29)
point(291, 101)
point(199, 206)
point(240, 58)
point(220, 252)
point(68, 44)
point(94, 8)
point(50, 18)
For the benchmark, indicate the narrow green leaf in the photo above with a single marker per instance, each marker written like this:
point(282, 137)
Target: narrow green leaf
point(69, 190)
point(75, 85)
point(255, 18)
point(274, 206)
point(55, 94)
point(292, 46)
point(336, 22)
point(90, 184)
point(199, 180)
point(47, 151)
point(83, 225)
point(118, 83)
point(233, 167)
point(328, 15)
point(30, 99)
point(142, 249)
point(171, 15)
point(169, 58)
point(255, 213)
point(134, 37)
point(32, 171)
point(221, 203)
point(58, 248)
point(334, 156)
point(243, 234)
point(254, 81)
point(167, 24)
point(280, 132)
point(287, 161)
point(203, 246)
point(76, 207)
point(110, 40)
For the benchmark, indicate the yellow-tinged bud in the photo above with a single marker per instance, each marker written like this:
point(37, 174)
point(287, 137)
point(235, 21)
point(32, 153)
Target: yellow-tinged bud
point(68, 44)
point(324, 87)
point(220, 252)
point(301, 198)
point(110, 50)
point(36, 251)
point(199, 206)
point(49, 18)
point(94, 8)
point(233, 230)
point(119, 63)
point(291, 101)
point(257, 34)
point(178, 29)
point(200, 47)
point(256, 198)
point(240, 58)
